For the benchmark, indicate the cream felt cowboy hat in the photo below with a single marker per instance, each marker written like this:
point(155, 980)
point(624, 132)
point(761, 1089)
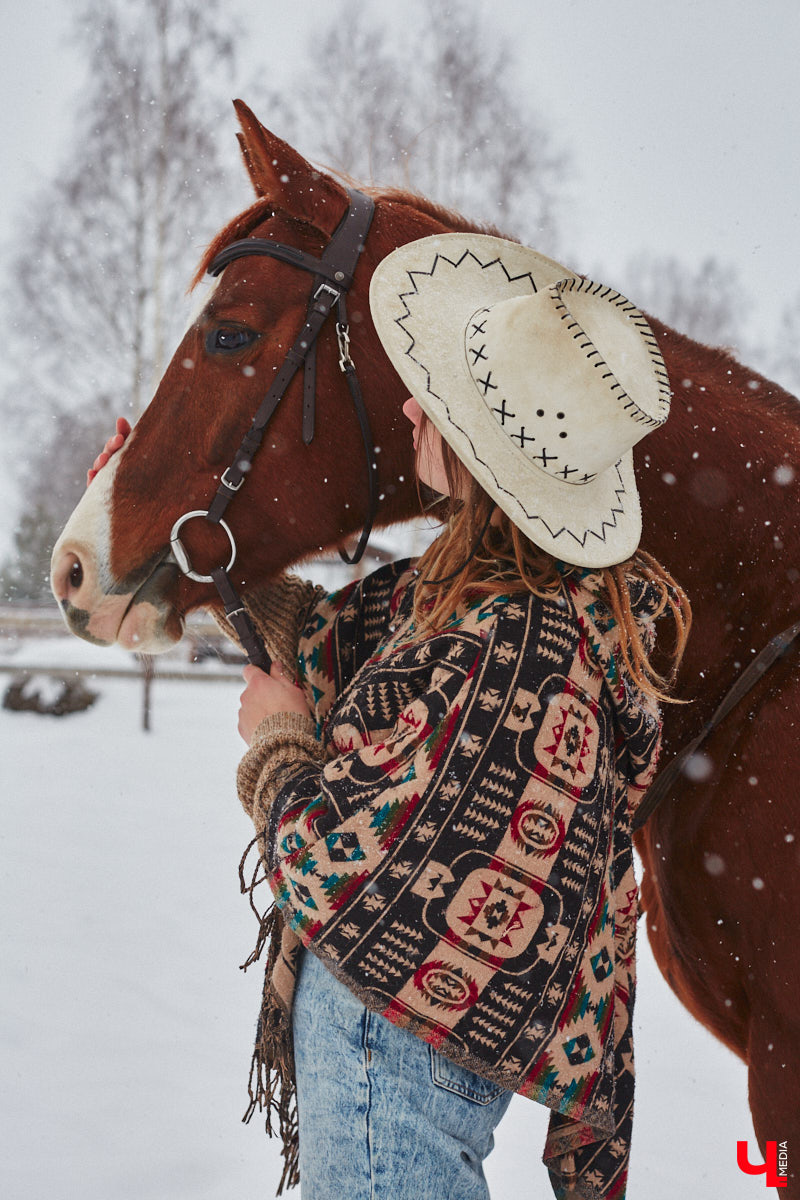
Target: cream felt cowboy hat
point(540, 381)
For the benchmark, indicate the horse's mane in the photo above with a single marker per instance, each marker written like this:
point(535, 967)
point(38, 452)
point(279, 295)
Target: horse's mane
point(764, 394)
point(262, 209)
point(454, 221)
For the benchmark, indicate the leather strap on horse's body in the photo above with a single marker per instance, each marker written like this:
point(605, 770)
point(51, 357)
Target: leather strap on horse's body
point(755, 670)
point(333, 274)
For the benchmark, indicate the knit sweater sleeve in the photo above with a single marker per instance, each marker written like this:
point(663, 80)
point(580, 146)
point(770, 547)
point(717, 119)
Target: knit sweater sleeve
point(281, 745)
point(325, 637)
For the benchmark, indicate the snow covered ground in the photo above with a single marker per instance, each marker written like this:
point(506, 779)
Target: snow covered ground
point(126, 1024)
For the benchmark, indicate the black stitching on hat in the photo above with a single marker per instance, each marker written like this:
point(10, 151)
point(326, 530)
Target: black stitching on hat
point(659, 367)
point(618, 509)
point(418, 272)
point(522, 437)
point(503, 413)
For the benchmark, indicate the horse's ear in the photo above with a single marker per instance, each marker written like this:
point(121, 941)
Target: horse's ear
point(283, 176)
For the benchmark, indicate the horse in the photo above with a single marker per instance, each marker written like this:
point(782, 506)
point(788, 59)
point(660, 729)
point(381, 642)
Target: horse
point(720, 887)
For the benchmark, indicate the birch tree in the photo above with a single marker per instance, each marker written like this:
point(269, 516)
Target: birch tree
point(435, 107)
point(113, 240)
point(706, 300)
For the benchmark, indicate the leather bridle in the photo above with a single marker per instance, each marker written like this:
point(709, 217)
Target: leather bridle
point(332, 277)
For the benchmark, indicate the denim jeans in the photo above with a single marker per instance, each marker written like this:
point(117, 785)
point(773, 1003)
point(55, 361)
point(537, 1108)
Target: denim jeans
point(383, 1116)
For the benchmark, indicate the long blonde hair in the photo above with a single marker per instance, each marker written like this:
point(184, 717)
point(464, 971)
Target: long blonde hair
point(504, 560)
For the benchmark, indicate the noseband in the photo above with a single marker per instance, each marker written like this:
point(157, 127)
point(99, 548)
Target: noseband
point(333, 274)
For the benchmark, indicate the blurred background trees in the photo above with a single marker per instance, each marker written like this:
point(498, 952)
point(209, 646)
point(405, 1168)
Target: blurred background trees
point(93, 298)
point(107, 249)
point(442, 118)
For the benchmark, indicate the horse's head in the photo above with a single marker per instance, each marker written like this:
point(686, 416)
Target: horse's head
point(113, 573)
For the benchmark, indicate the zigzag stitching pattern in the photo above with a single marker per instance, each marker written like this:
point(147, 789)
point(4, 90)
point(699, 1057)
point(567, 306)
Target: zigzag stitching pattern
point(582, 852)
point(606, 524)
point(557, 622)
point(560, 640)
point(391, 955)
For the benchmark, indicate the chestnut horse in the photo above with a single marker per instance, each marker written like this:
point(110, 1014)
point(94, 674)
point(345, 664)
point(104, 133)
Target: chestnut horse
point(721, 885)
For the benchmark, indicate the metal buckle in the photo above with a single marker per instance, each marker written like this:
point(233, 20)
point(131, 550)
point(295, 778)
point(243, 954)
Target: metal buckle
point(232, 487)
point(326, 287)
point(179, 550)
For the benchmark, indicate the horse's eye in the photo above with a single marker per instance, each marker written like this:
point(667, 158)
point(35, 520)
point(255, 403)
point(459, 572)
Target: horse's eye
point(226, 338)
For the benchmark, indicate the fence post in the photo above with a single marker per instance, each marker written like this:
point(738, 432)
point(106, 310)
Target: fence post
point(148, 665)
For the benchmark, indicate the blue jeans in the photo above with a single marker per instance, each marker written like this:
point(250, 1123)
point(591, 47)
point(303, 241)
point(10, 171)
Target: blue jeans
point(383, 1116)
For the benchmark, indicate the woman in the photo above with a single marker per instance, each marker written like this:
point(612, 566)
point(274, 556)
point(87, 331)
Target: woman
point(443, 777)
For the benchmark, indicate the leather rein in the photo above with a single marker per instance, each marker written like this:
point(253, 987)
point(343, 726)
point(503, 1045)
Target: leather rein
point(332, 277)
point(753, 672)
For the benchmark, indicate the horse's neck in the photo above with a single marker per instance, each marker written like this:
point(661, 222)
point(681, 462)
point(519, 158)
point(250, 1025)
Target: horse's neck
point(721, 503)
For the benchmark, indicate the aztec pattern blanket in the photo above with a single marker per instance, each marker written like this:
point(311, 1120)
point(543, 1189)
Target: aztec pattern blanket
point(452, 839)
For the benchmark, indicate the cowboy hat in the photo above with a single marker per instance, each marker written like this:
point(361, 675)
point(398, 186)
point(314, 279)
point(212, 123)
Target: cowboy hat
point(540, 381)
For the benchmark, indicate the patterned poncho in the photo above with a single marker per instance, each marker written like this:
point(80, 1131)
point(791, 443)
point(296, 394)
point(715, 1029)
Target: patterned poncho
point(450, 834)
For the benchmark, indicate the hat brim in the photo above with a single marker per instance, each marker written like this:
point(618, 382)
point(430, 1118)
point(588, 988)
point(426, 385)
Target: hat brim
point(422, 295)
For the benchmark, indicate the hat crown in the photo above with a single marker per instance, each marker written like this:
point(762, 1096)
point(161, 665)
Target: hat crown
point(423, 296)
point(572, 374)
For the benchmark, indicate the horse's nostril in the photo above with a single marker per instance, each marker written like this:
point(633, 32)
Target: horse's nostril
point(75, 576)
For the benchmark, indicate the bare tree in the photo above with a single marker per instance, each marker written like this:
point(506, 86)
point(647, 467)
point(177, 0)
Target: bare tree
point(783, 357)
point(707, 301)
point(436, 110)
point(115, 237)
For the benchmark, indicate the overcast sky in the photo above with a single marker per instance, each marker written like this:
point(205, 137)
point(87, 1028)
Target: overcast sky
point(682, 120)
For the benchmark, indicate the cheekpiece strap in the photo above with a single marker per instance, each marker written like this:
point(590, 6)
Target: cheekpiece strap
point(333, 274)
point(239, 618)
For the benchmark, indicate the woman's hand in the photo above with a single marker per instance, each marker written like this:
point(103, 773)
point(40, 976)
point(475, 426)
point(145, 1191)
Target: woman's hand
point(266, 695)
point(112, 445)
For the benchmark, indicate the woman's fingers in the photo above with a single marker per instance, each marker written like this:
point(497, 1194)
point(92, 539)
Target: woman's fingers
point(114, 443)
point(267, 694)
point(249, 673)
